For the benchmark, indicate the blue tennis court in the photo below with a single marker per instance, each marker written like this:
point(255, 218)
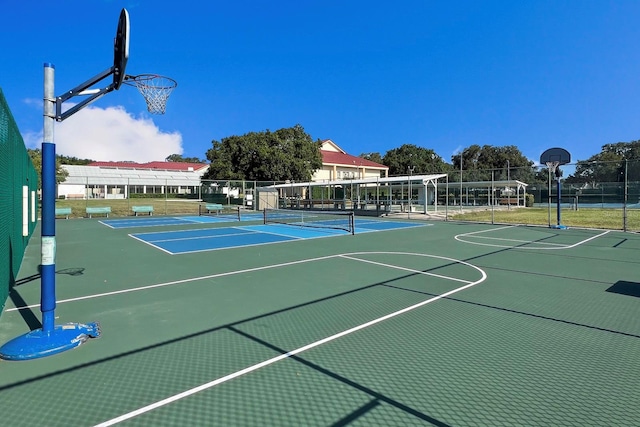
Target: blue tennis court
point(210, 239)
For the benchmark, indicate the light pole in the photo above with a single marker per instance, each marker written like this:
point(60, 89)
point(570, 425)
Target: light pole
point(509, 184)
point(461, 153)
point(410, 169)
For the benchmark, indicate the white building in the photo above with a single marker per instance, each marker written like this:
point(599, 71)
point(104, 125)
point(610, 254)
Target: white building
point(337, 164)
point(117, 180)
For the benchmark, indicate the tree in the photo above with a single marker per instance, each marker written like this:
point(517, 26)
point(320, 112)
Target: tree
point(36, 159)
point(68, 160)
point(179, 158)
point(506, 162)
point(286, 154)
point(422, 160)
point(609, 165)
point(374, 157)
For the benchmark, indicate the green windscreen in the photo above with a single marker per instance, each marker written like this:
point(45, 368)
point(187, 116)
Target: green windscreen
point(16, 172)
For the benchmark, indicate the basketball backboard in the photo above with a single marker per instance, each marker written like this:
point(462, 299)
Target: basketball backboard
point(553, 155)
point(121, 49)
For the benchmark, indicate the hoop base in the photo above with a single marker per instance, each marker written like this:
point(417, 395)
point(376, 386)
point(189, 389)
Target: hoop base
point(37, 343)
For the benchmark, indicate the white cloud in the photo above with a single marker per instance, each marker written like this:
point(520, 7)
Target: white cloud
point(110, 134)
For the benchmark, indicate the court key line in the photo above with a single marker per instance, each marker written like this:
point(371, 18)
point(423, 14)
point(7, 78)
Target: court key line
point(459, 237)
point(409, 269)
point(229, 273)
point(562, 245)
point(299, 350)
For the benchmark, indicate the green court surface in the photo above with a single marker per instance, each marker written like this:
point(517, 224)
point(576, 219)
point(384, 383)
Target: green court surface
point(447, 325)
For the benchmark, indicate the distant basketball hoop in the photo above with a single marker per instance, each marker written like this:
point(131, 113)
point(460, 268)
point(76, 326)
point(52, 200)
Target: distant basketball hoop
point(553, 158)
point(155, 89)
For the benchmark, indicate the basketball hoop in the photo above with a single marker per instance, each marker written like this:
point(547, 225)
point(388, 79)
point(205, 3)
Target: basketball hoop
point(155, 89)
point(553, 166)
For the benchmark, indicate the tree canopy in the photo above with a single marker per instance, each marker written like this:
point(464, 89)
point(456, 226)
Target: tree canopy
point(70, 160)
point(286, 154)
point(179, 158)
point(506, 162)
point(609, 165)
point(374, 157)
point(421, 160)
point(36, 159)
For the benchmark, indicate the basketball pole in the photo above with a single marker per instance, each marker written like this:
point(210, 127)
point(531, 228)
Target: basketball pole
point(49, 339)
point(559, 189)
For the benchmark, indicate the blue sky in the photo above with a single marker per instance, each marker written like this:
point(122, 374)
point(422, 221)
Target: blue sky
point(369, 75)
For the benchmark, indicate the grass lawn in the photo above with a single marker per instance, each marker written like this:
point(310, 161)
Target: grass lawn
point(590, 218)
point(122, 207)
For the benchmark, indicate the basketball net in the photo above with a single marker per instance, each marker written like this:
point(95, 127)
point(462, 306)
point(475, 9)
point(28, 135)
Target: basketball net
point(553, 166)
point(155, 89)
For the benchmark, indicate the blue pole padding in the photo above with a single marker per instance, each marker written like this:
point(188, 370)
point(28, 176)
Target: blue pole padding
point(48, 189)
point(48, 273)
point(558, 184)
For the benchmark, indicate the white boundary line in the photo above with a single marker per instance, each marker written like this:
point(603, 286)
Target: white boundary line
point(408, 269)
point(240, 232)
point(217, 275)
point(549, 246)
point(518, 241)
point(299, 350)
point(175, 282)
point(150, 221)
point(150, 244)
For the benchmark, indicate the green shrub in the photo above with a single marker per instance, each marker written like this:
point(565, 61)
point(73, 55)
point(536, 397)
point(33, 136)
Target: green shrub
point(529, 199)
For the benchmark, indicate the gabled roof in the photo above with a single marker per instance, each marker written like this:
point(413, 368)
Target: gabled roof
point(173, 166)
point(343, 159)
point(329, 145)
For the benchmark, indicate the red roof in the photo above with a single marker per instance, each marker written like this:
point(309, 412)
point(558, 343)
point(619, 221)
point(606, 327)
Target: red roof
point(176, 166)
point(333, 157)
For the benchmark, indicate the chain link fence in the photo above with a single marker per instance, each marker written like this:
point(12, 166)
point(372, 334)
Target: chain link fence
point(586, 194)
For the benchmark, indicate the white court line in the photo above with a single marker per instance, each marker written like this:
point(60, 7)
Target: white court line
point(179, 231)
point(148, 222)
point(407, 269)
point(299, 350)
point(150, 244)
point(459, 237)
point(214, 236)
point(224, 248)
point(563, 245)
point(249, 228)
point(176, 282)
point(195, 279)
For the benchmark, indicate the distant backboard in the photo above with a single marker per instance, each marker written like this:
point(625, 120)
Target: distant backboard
point(553, 155)
point(121, 49)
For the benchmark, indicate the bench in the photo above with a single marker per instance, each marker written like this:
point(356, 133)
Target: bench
point(508, 201)
point(99, 210)
point(63, 211)
point(217, 207)
point(142, 209)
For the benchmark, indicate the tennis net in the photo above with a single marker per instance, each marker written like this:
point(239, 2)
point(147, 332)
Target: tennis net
point(219, 211)
point(337, 220)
